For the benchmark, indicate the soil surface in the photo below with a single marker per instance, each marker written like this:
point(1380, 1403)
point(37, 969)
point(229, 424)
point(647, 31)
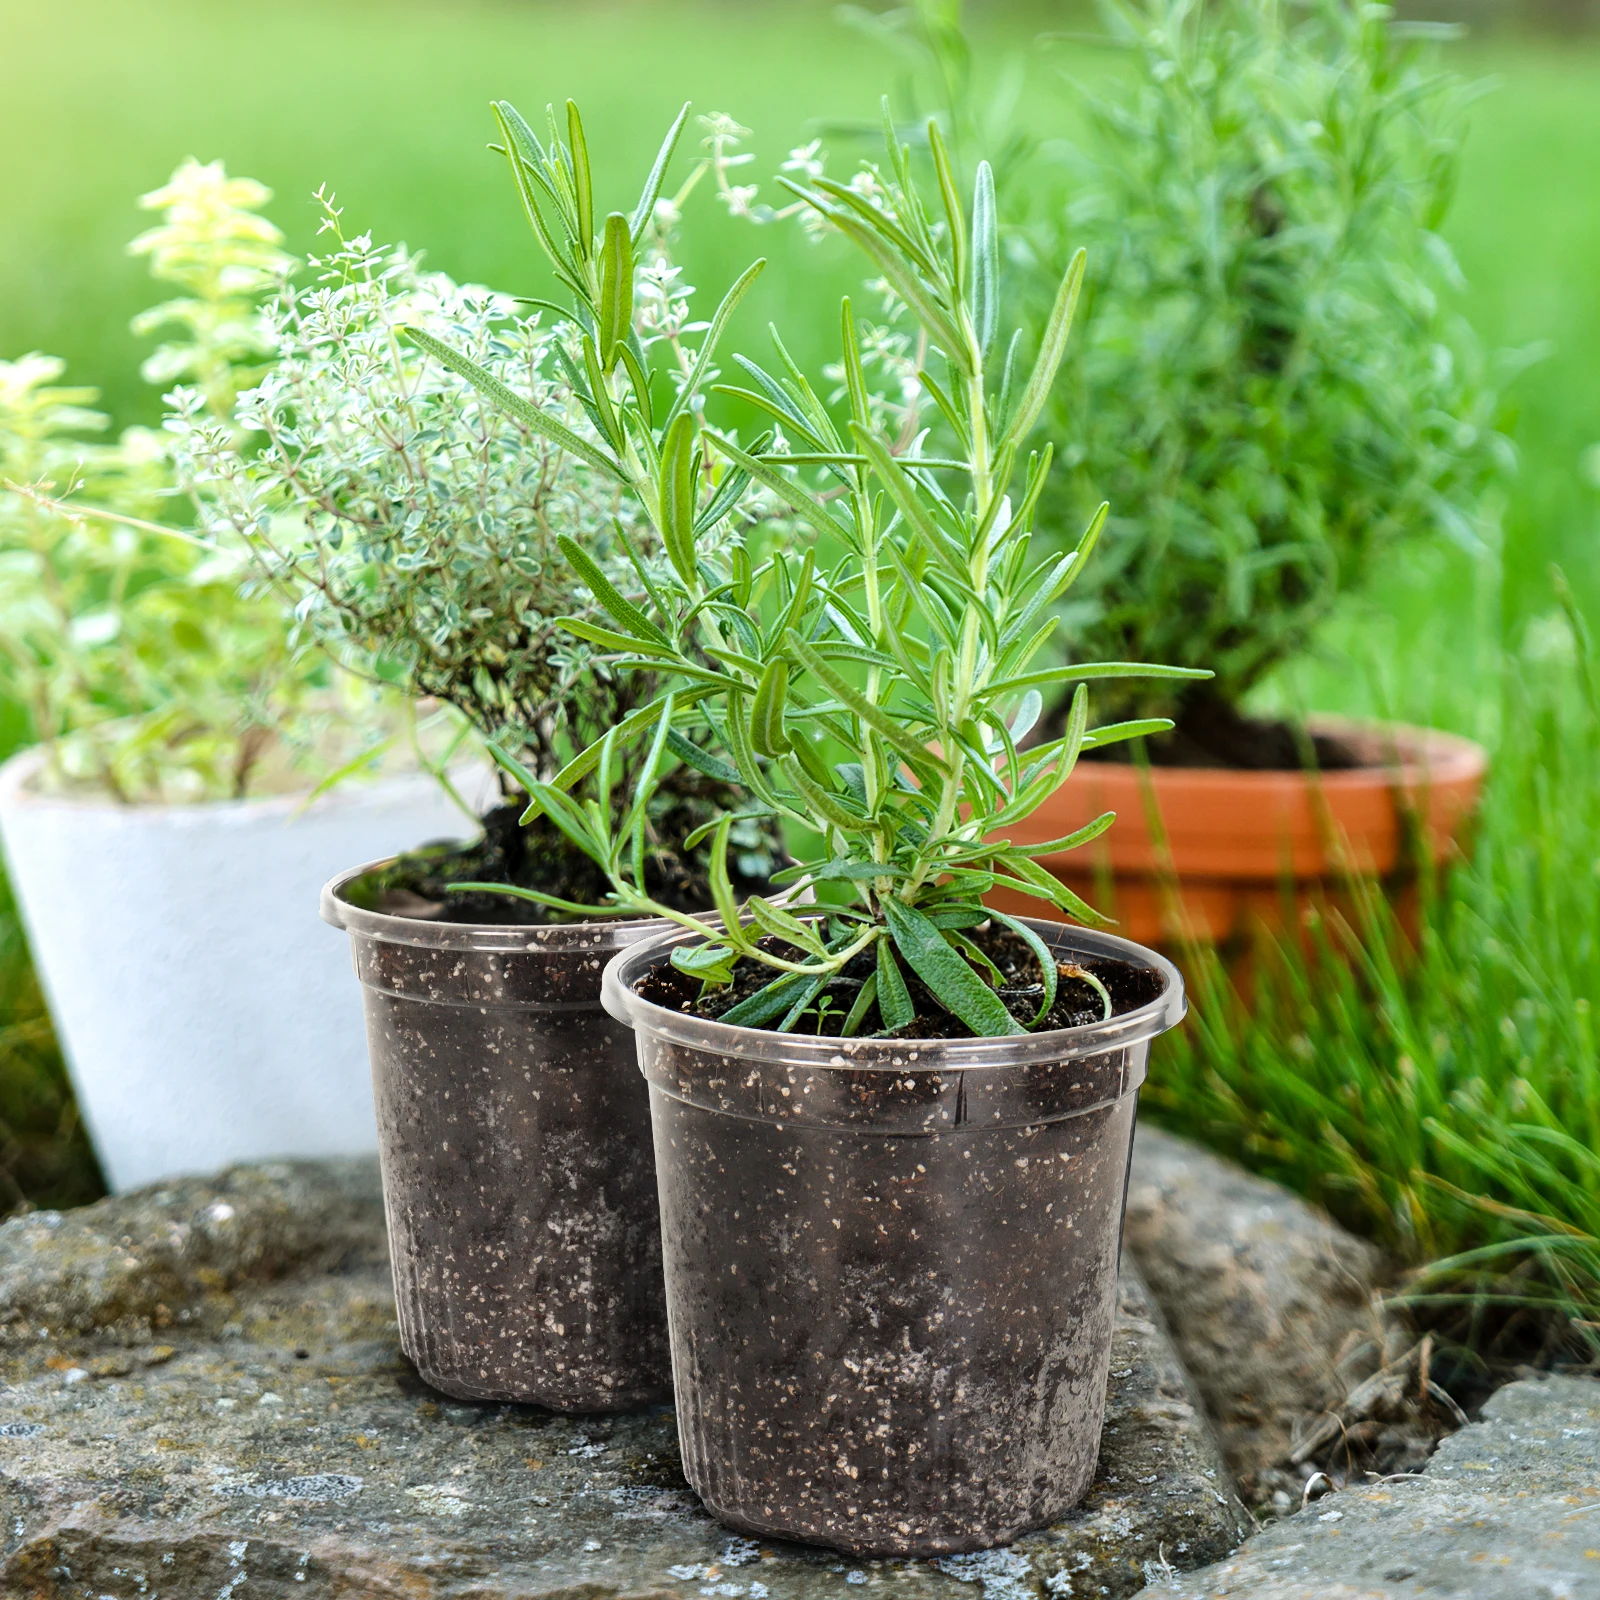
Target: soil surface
point(1212, 733)
point(1076, 1003)
point(539, 856)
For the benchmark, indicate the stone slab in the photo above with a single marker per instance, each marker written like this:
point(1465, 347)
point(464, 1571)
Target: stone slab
point(1507, 1509)
point(1271, 1303)
point(205, 1397)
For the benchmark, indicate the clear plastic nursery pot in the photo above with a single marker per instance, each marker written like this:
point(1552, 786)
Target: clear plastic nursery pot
point(514, 1139)
point(891, 1265)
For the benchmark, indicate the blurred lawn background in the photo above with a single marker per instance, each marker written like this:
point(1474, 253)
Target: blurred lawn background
point(386, 102)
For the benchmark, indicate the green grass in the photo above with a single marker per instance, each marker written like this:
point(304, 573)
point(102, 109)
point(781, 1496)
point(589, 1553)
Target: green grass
point(45, 1158)
point(1391, 1082)
point(387, 102)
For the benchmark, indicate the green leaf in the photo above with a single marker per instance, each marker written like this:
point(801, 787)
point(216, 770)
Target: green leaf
point(743, 575)
point(722, 895)
point(847, 871)
point(692, 840)
point(509, 763)
point(894, 999)
point(644, 789)
point(766, 714)
point(801, 593)
point(1031, 878)
point(676, 492)
point(1089, 832)
point(582, 764)
point(954, 221)
point(582, 184)
point(953, 983)
point(616, 289)
point(645, 209)
point(828, 808)
point(902, 277)
point(743, 753)
point(1090, 671)
point(597, 402)
point(952, 413)
point(623, 611)
point(813, 988)
point(734, 482)
point(1041, 589)
point(959, 917)
point(1042, 953)
point(640, 381)
point(778, 924)
point(1116, 732)
point(912, 503)
point(713, 334)
point(536, 895)
point(711, 963)
point(915, 252)
point(801, 413)
point(765, 1004)
point(515, 404)
point(1051, 351)
point(607, 639)
point(985, 260)
point(524, 153)
point(1038, 475)
point(865, 995)
point(974, 953)
point(796, 498)
point(854, 378)
point(691, 755)
point(874, 716)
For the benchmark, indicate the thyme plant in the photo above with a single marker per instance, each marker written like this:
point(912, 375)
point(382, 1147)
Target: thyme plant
point(871, 677)
point(419, 525)
point(411, 525)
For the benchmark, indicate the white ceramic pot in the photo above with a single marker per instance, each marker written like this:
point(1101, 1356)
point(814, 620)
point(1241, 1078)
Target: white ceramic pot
point(206, 1012)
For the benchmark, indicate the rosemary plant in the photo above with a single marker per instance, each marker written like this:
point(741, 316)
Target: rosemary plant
point(1278, 387)
point(871, 677)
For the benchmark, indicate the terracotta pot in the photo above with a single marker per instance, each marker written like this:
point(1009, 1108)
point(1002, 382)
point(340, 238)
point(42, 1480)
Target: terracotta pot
point(1236, 843)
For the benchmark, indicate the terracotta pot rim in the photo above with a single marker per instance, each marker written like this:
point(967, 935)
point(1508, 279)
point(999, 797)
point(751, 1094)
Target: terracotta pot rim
point(1419, 755)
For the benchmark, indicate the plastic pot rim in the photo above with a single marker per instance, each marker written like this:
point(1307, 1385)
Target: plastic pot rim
point(645, 950)
point(426, 934)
